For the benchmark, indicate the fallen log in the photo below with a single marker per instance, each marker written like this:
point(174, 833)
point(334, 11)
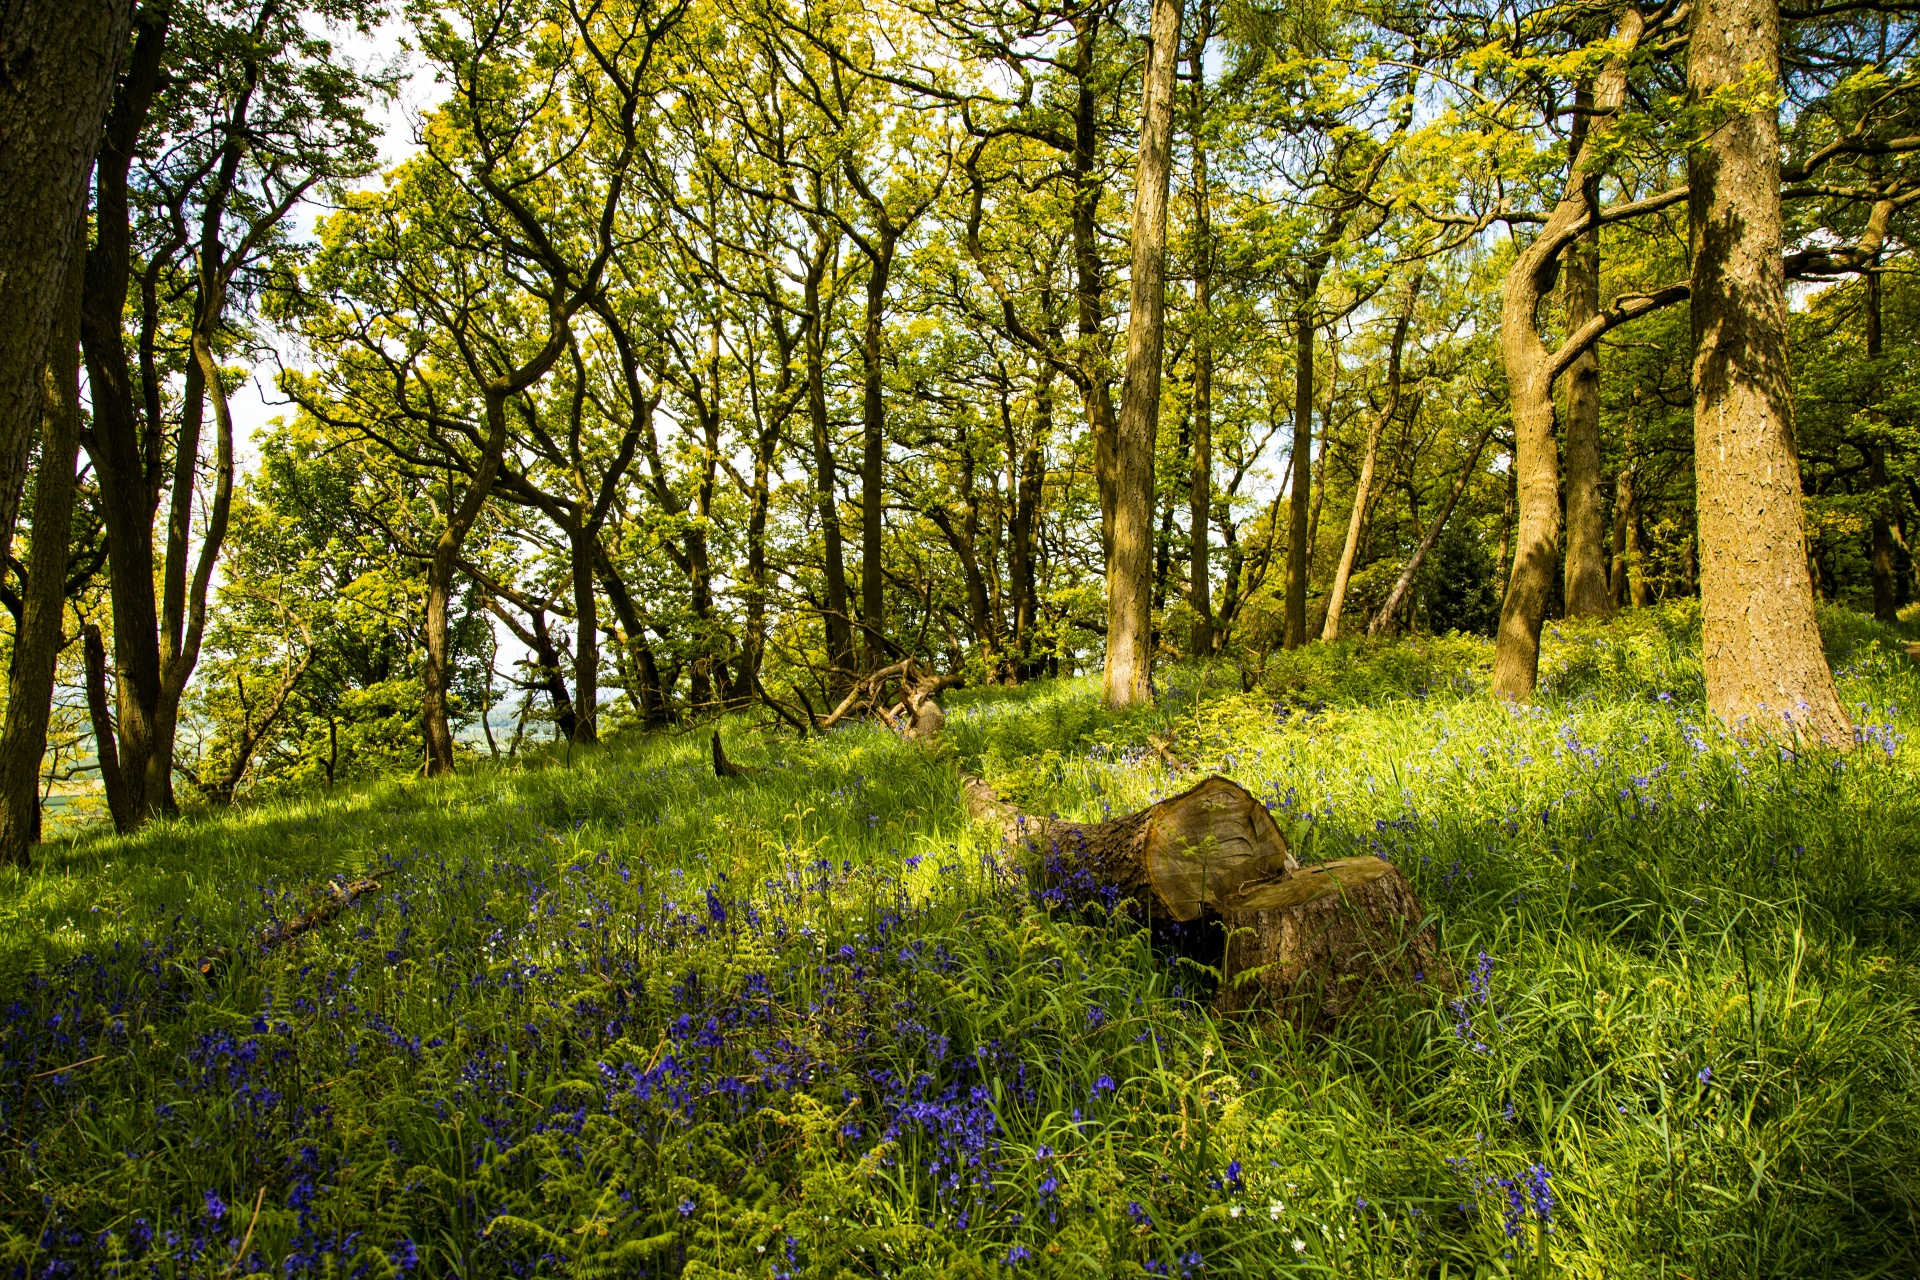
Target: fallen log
point(1303, 942)
point(333, 899)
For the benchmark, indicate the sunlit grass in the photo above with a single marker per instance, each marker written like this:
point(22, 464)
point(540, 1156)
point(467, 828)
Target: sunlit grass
point(612, 1015)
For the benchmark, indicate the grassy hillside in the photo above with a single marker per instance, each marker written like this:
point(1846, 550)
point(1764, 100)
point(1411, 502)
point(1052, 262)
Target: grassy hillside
point(610, 1015)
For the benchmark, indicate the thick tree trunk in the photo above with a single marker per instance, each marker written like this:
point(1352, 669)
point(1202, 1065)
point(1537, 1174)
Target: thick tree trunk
point(1530, 375)
point(1586, 563)
point(36, 642)
point(59, 62)
point(1299, 533)
point(1129, 671)
point(1200, 492)
point(1310, 946)
point(1760, 646)
point(124, 441)
point(1363, 488)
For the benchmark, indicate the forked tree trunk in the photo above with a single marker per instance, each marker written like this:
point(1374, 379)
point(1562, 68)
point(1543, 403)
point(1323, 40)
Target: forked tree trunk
point(1303, 942)
point(1129, 671)
point(1530, 375)
point(1760, 645)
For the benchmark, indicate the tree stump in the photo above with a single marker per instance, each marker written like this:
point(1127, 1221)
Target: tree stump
point(1309, 944)
point(1303, 942)
point(1184, 855)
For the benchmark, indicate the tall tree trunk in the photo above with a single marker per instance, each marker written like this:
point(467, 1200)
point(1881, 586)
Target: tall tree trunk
point(1200, 492)
point(1029, 478)
point(839, 619)
point(1363, 489)
point(1529, 366)
point(106, 750)
point(644, 686)
point(36, 642)
point(437, 672)
point(1586, 564)
point(1622, 513)
point(1760, 646)
point(1299, 557)
point(586, 638)
point(124, 438)
point(1089, 281)
point(1129, 671)
point(59, 64)
point(1886, 601)
point(873, 432)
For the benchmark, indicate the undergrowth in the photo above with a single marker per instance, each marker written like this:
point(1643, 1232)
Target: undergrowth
point(610, 1015)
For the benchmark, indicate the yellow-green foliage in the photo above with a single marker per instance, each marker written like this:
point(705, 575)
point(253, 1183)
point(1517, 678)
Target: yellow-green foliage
point(614, 1016)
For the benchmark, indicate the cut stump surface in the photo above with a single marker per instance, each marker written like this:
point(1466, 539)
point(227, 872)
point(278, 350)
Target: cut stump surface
point(1303, 942)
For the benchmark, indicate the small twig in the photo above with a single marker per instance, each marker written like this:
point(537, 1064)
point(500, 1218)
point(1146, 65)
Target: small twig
point(69, 1067)
point(248, 1238)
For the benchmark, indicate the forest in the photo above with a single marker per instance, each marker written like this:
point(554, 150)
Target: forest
point(689, 738)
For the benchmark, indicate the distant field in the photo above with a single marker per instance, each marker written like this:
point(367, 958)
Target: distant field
point(620, 1017)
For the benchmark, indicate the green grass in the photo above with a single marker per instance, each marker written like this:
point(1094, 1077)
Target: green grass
point(610, 1015)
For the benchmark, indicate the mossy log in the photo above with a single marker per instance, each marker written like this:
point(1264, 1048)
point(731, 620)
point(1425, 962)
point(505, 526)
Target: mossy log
point(1304, 942)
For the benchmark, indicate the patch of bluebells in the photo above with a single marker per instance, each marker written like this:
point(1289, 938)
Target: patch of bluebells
point(549, 981)
point(1479, 996)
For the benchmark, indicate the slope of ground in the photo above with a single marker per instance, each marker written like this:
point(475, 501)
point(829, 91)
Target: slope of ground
point(611, 1015)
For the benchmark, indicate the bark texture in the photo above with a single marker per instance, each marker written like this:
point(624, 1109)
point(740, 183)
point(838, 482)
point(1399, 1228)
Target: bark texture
point(1530, 375)
point(36, 644)
point(1586, 562)
point(1299, 524)
point(1129, 671)
point(1184, 856)
point(1760, 646)
point(57, 64)
point(1303, 942)
point(1200, 492)
point(1312, 945)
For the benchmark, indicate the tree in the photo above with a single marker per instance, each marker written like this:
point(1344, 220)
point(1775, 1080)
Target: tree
point(37, 637)
point(1760, 644)
point(60, 62)
point(1129, 672)
point(218, 130)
